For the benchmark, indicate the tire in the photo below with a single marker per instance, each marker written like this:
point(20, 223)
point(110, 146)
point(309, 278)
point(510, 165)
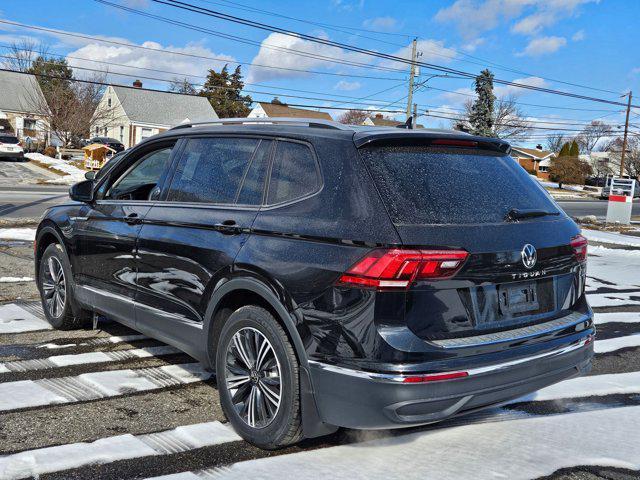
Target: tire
point(270, 426)
point(56, 290)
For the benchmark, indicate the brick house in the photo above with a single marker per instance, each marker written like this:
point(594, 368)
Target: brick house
point(536, 161)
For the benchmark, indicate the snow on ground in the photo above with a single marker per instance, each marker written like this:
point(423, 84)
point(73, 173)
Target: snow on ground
point(15, 279)
point(72, 173)
point(518, 449)
point(611, 237)
point(14, 319)
point(28, 234)
point(613, 268)
point(621, 317)
point(593, 385)
point(33, 463)
point(613, 344)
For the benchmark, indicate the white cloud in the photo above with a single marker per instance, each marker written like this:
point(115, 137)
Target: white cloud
point(472, 17)
point(382, 24)
point(347, 86)
point(578, 36)
point(347, 5)
point(157, 59)
point(543, 45)
point(472, 45)
point(271, 53)
point(461, 95)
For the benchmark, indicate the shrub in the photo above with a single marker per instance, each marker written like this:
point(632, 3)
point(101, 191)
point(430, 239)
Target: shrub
point(50, 152)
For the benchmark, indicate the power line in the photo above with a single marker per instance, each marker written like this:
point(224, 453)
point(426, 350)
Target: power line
point(191, 55)
point(242, 21)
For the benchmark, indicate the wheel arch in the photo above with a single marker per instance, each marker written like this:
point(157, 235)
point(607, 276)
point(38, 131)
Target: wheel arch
point(47, 234)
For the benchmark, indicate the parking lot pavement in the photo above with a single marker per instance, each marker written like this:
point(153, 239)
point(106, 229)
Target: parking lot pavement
point(111, 403)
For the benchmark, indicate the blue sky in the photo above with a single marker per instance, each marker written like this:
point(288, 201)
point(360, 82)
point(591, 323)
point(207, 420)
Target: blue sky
point(537, 42)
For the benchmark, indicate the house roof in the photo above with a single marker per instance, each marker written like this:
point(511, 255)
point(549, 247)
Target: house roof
point(386, 122)
point(533, 152)
point(20, 92)
point(275, 110)
point(163, 108)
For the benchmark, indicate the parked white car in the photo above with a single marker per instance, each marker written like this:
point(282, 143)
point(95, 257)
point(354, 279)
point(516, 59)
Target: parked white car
point(10, 148)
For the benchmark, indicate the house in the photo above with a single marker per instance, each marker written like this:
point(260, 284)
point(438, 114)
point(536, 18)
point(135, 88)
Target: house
point(266, 110)
point(21, 107)
point(378, 120)
point(131, 114)
point(536, 161)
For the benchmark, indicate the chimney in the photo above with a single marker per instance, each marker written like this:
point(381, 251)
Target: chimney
point(539, 147)
point(137, 84)
point(378, 115)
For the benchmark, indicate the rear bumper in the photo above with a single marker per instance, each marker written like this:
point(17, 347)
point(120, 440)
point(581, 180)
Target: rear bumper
point(370, 400)
point(11, 154)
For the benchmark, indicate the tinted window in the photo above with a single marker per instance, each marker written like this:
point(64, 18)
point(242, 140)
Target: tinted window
point(211, 170)
point(8, 139)
point(253, 183)
point(443, 186)
point(137, 182)
point(293, 174)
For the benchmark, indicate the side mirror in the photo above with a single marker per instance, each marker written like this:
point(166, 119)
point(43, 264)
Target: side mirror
point(90, 175)
point(82, 191)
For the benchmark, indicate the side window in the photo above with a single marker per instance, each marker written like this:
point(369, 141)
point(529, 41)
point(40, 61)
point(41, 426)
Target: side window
point(293, 174)
point(253, 183)
point(139, 180)
point(211, 170)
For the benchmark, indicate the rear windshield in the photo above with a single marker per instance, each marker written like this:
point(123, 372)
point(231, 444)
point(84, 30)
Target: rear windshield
point(421, 185)
point(8, 139)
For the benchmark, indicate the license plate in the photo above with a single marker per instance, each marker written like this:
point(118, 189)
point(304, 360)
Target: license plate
point(518, 297)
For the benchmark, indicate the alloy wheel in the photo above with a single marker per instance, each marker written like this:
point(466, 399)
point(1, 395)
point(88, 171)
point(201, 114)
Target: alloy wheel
point(54, 288)
point(253, 377)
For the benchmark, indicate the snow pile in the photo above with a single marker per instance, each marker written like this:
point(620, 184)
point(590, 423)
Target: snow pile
point(72, 173)
point(28, 234)
point(611, 237)
point(15, 279)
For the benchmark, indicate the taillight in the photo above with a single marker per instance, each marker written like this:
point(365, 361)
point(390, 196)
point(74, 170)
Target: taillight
point(397, 268)
point(454, 143)
point(579, 245)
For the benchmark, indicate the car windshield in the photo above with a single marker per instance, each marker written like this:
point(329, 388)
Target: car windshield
point(8, 139)
point(421, 185)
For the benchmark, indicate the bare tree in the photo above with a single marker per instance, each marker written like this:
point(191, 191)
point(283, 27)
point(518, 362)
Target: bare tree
point(591, 135)
point(22, 54)
point(182, 85)
point(555, 141)
point(71, 107)
point(508, 120)
point(354, 117)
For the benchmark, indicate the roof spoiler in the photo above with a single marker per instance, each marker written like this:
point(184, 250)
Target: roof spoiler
point(299, 122)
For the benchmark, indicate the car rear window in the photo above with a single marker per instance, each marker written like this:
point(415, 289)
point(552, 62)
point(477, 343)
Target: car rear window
point(8, 139)
point(422, 185)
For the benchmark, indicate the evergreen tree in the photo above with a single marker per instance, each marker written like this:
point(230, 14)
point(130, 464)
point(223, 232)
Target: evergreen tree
point(53, 74)
point(481, 118)
point(565, 151)
point(574, 151)
point(182, 85)
point(277, 101)
point(224, 93)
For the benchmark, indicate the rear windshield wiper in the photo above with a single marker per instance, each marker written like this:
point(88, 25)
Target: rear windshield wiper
point(519, 214)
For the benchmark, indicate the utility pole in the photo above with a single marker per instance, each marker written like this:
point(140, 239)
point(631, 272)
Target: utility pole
point(414, 117)
point(412, 75)
point(624, 140)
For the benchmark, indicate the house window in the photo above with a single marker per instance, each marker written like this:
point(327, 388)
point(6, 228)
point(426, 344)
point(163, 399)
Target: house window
point(542, 168)
point(97, 131)
point(109, 101)
point(146, 132)
point(105, 131)
point(29, 124)
point(121, 133)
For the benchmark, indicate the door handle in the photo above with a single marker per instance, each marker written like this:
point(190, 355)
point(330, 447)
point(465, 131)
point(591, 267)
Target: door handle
point(228, 227)
point(133, 219)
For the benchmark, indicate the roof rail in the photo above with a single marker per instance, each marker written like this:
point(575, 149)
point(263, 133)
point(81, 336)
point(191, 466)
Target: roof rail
point(309, 122)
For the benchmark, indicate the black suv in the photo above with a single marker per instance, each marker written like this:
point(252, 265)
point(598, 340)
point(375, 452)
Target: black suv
point(116, 145)
point(330, 275)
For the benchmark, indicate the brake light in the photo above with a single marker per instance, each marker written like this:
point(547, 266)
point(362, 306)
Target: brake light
point(454, 143)
point(579, 245)
point(397, 268)
point(435, 377)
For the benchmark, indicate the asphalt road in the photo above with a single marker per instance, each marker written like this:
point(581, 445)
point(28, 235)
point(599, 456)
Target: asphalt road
point(30, 200)
point(580, 208)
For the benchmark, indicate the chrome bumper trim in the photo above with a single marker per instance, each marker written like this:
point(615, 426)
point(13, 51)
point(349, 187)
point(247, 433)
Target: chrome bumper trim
point(399, 377)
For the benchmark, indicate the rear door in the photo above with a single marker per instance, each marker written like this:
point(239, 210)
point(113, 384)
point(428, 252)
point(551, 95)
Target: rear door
point(521, 267)
point(190, 238)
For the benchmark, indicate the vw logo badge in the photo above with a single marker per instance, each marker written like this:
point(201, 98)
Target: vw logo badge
point(529, 256)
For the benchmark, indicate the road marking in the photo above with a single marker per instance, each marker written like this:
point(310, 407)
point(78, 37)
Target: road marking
point(85, 358)
point(15, 319)
point(96, 385)
point(32, 463)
